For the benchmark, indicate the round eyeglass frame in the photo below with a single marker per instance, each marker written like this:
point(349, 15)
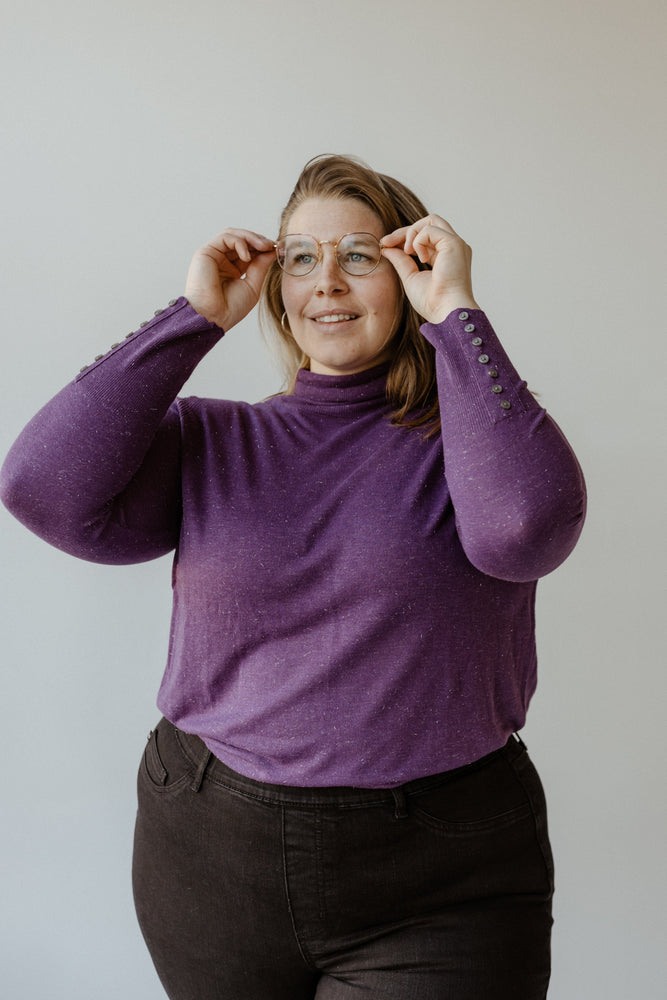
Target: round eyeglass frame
point(319, 244)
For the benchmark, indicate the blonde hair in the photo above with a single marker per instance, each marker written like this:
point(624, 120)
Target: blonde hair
point(411, 385)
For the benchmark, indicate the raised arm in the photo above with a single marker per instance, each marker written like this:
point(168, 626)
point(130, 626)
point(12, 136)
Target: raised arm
point(97, 471)
point(516, 486)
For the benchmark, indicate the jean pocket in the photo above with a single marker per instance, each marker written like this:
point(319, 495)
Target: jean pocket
point(527, 774)
point(164, 763)
point(481, 797)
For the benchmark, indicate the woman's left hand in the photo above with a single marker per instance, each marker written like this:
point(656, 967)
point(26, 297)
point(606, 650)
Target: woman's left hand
point(447, 284)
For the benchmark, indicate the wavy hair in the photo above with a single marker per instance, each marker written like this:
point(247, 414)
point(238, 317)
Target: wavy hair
point(411, 384)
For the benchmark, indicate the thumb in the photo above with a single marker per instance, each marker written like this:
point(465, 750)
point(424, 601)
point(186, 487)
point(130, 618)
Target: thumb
point(258, 269)
point(403, 264)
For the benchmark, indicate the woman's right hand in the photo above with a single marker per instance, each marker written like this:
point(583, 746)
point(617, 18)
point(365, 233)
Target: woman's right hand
point(226, 276)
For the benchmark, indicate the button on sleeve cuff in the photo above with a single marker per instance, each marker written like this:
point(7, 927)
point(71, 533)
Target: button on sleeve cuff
point(474, 372)
point(188, 320)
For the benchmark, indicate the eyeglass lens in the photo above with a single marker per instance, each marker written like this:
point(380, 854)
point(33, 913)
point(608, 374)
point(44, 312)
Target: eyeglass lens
point(357, 253)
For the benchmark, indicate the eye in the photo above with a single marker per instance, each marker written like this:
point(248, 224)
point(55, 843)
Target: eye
point(298, 254)
point(359, 253)
point(356, 257)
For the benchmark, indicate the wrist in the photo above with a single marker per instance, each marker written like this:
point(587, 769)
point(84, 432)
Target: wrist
point(207, 309)
point(449, 305)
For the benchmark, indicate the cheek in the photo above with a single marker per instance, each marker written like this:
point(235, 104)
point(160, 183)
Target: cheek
point(291, 294)
point(389, 303)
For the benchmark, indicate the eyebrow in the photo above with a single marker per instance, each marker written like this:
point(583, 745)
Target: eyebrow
point(309, 236)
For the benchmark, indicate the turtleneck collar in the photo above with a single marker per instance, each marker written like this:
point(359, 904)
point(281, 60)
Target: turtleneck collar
point(342, 389)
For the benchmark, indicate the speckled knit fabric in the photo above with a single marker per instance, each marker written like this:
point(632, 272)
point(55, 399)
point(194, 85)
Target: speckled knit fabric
point(353, 601)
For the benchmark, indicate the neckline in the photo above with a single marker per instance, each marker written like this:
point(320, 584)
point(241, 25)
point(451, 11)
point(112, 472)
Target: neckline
point(361, 387)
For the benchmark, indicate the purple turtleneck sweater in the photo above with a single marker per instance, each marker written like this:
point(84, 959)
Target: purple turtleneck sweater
point(353, 601)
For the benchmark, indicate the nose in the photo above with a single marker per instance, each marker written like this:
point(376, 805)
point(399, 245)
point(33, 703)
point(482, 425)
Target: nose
point(329, 276)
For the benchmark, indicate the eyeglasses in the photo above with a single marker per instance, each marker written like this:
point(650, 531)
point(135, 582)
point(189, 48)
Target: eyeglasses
point(356, 253)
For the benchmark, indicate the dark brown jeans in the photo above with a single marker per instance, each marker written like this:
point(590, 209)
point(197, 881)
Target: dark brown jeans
point(438, 890)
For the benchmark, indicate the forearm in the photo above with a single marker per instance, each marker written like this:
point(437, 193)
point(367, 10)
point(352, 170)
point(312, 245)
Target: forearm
point(95, 472)
point(516, 486)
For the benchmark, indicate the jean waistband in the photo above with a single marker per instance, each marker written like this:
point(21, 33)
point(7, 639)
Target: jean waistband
point(308, 797)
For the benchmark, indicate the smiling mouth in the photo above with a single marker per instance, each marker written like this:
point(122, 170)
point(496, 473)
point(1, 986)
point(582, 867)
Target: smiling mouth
point(334, 318)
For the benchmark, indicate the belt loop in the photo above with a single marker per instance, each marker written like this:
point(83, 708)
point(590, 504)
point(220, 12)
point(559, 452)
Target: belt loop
point(195, 784)
point(400, 803)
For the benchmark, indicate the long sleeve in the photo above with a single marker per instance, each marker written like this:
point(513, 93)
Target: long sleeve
point(344, 613)
point(97, 471)
point(517, 489)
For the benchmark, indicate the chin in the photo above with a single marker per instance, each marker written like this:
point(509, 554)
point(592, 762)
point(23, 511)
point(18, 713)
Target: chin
point(343, 366)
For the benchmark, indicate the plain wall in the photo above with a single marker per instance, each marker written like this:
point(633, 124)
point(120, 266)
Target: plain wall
point(132, 132)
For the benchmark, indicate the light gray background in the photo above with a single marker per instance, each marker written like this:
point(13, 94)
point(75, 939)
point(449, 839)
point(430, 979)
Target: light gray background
point(133, 131)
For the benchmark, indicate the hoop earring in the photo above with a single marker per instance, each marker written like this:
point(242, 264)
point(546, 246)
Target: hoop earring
point(282, 323)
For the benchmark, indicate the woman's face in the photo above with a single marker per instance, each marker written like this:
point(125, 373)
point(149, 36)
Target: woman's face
point(362, 311)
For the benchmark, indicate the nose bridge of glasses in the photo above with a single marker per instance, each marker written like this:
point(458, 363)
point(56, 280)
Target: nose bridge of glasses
point(332, 256)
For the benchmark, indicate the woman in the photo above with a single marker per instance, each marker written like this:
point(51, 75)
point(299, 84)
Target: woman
point(334, 804)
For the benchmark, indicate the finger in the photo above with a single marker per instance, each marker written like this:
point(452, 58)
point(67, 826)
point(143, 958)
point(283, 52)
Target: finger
point(428, 222)
point(246, 234)
point(238, 250)
point(257, 270)
point(240, 241)
point(432, 220)
point(229, 264)
point(403, 264)
point(396, 238)
point(258, 243)
point(265, 257)
point(439, 222)
point(433, 239)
